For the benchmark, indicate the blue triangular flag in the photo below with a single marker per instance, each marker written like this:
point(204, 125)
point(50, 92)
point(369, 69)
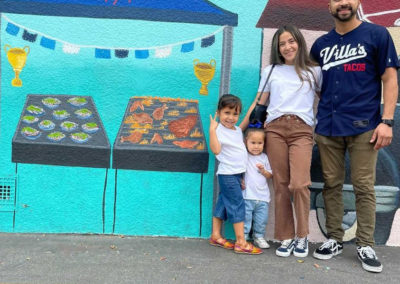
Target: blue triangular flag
point(12, 29)
point(102, 53)
point(48, 43)
point(207, 41)
point(142, 54)
point(29, 36)
point(187, 47)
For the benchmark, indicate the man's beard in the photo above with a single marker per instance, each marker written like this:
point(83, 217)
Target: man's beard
point(344, 18)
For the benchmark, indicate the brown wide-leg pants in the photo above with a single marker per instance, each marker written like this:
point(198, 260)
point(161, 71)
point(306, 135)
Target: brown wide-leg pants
point(289, 144)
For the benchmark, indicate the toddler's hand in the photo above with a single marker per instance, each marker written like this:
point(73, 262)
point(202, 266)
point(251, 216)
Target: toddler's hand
point(242, 184)
point(260, 167)
point(213, 122)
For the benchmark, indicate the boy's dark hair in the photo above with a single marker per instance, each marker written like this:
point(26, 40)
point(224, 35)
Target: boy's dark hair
point(253, 130)
point(230, 101)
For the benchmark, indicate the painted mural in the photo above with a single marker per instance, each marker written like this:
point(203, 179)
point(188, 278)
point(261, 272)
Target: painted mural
point(314, 20)
point(145, 74)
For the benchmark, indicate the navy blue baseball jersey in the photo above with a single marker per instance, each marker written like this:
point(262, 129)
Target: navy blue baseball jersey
point(352, 65)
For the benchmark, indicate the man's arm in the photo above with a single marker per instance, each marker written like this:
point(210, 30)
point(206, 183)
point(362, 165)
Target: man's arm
point(383, 133)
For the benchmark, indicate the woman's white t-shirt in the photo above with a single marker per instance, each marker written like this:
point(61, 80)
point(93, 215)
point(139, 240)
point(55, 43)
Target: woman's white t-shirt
point(233, 156)
point(288, 94)
point(256, 184)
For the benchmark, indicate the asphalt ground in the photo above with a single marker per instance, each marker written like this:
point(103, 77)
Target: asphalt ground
point(69, 258)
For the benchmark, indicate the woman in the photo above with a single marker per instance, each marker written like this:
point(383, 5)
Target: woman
point(291, 90)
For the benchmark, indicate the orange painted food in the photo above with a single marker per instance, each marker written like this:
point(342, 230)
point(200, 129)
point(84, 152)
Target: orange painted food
point(133, 138)
point(156, 139)
point(181, 127)
point(186, 144)
point(142, 117)
point(136, 104)
point(158, 113)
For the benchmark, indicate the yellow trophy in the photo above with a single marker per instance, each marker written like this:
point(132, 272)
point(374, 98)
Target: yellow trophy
point(17, 58)
point(204, 72)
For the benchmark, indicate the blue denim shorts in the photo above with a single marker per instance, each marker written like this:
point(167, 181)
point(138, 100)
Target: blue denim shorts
point(230, 204)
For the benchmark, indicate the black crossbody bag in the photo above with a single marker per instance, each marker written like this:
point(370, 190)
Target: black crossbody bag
point(259, 113)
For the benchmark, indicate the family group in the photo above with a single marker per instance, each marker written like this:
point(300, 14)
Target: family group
point(349, 119)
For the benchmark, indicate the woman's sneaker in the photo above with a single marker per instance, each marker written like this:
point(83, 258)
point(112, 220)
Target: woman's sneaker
point(301, 247)
point(328, 249)
point(368, 259)
point(286, 248)
point(261, 243)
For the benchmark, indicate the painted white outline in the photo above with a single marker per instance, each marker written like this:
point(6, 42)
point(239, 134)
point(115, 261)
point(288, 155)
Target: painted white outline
point(365, 17)
point(112, 48)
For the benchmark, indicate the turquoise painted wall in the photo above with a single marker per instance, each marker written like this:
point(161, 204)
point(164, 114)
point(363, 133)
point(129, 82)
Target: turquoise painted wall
point(58, 199)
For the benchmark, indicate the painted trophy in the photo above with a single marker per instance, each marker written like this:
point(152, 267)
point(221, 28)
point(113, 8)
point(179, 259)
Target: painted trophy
point(17, 58)
point(204, 72)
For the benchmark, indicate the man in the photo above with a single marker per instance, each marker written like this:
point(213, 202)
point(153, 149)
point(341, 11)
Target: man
point(358, 62)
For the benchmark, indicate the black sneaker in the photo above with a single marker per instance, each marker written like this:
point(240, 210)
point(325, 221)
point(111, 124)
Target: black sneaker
point(301, 247)
point(286, 248)
point(328, 249)
point(368, 258)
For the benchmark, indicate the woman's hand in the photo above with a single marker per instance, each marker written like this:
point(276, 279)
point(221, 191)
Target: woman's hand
point(246, 120)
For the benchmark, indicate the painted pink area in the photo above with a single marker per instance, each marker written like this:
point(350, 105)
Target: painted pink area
point(383, 13)
point(388, 20)
point(271, 213)
point(394, 237)
point(315, 235)
point(302, 13)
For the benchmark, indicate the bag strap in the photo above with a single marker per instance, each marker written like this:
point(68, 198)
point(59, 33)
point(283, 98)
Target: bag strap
point(265, 84)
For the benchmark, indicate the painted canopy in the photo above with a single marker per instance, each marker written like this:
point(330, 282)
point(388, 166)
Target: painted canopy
point(188, 11)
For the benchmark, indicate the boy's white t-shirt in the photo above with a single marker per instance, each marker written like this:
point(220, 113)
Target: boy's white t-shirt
point(288, 95)
point(233, 156)
point(256, 184)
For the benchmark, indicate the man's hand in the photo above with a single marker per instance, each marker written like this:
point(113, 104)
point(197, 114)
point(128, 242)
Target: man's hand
point(382, 136)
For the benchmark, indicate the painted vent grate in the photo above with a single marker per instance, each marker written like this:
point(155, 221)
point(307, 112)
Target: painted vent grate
point(7, 192)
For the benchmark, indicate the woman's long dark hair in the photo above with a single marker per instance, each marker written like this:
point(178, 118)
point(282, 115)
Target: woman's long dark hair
point(302, 61)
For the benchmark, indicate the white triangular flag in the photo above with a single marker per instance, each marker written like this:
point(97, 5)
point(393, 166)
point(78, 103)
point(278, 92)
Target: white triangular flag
point(163, 52)
point(70, 49)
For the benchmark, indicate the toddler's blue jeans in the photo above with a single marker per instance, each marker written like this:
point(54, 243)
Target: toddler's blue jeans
point(256, 214)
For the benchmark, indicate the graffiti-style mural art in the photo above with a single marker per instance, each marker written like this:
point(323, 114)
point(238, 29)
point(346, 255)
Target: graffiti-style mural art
point(313, 19)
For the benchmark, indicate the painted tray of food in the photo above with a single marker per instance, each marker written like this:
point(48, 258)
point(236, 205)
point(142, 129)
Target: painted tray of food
point(61, 130)
point(161, 134)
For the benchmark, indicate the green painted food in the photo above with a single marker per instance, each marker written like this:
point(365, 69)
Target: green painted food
point(35, 109)
point(30, 119)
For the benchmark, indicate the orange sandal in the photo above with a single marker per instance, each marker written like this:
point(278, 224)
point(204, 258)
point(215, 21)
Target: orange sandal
point(251, 250)
point(223, 243)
